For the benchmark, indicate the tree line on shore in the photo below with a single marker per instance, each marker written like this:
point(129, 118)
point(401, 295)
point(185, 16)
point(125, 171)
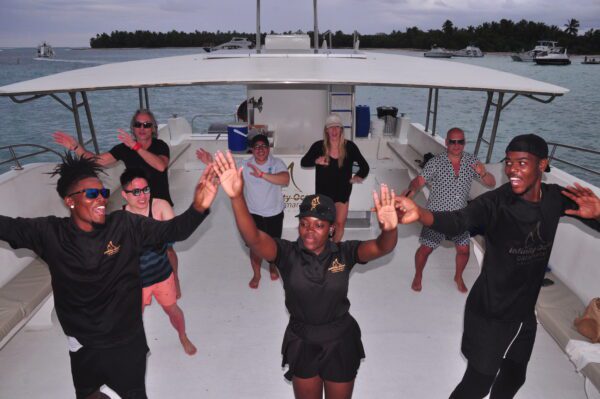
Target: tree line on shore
point(502, 36)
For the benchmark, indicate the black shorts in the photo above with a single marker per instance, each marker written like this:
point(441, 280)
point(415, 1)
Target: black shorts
point(332, 352)
point(272, 225)
point(486, 342)
point(121, 368)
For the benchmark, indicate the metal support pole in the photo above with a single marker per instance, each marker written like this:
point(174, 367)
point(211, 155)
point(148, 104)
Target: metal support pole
point(435, 108)
point(141, 98)
point(488, 104)
point(428, 110)
point(495, 127)
point(146, 97)
point(88, 114)
point(316, 29)
point(75, 110)
point(257, 47)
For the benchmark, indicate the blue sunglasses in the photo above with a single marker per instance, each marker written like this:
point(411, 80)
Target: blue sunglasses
point(92, 193)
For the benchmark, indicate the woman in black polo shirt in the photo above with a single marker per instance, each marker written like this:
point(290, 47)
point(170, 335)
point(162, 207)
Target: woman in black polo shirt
point(322, 343)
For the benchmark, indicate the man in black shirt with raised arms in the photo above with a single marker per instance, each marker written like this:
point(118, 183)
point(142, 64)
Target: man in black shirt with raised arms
point(519, 221)
point(94, 263)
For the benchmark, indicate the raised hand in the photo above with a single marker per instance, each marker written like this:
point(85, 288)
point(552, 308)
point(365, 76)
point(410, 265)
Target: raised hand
point(385, 208)
point(126, 138)
point(206, 189)
point(204, 156)
point(229, 176)
point(255, 171)
point(586, 200)
point(65, 140)
point(407, 210)
point(479, 168)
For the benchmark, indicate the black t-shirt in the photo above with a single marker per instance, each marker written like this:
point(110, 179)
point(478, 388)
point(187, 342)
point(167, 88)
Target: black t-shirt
point(316, 286)
point(96, 275)
point(331, 180)
point(518, 240)
point(158, 181)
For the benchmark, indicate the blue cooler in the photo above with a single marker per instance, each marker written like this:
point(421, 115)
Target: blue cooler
point(363, 120)
point(237, 138)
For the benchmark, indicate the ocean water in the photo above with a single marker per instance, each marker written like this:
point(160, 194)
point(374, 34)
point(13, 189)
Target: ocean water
point(571, 119)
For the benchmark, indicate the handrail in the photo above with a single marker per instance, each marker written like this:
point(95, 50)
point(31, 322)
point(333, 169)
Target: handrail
point(15, 159)
point(554, 146)
point(234, 115)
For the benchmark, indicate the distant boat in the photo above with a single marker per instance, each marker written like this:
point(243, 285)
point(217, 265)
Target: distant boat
point(45, 50)
point(542, 47)
point(469, 51)
point(590, 61)
point(557, 56)
point(236, 43)
point(437, 52)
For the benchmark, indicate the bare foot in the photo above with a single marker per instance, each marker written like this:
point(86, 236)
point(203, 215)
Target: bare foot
point(188, 347)
point(274, 272)
point(416, 284)
point(254, 282)
point(460, 284)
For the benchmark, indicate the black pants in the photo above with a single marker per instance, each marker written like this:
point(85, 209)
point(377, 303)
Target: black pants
point(476, 385)
point(121, 368)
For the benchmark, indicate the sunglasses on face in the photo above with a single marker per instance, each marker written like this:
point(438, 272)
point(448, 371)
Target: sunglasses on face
point(459, 142)
point(92, 193)
point(138, 191)
point(145, 125)
point(260, 147)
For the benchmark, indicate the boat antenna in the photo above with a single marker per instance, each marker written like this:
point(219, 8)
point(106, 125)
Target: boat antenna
point(316, 29)
point(257, 46)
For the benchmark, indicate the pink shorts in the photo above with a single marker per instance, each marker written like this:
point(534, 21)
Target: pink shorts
point(165, 292)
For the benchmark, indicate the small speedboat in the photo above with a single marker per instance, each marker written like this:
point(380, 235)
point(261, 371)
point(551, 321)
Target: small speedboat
point(556, 57)
point(591, 61)
point(437, 52)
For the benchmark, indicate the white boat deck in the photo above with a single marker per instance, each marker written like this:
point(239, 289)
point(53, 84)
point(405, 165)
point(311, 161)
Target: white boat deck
point(412, 340)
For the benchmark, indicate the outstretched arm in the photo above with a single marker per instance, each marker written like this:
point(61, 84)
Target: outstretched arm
point(586, 200)
point(409, 212)
point(281, 178)
point(486, 177)
point(233, 183)
point(414, 186)
point(71, 144)
point(388, 222)
point(158, 162)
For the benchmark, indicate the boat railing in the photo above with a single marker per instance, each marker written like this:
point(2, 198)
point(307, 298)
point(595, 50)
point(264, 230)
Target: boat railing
point(212, 118)
point(14, 158)
point(552, 157)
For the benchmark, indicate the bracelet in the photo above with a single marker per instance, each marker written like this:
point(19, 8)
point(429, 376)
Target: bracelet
point(75, 148)
point(136, 146)
point(261, 174)
point(484, 175)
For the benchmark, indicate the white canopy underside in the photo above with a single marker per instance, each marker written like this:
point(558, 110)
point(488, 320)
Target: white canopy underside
point(369, 69)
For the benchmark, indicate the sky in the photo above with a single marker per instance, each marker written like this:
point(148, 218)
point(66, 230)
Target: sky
point(26, 23)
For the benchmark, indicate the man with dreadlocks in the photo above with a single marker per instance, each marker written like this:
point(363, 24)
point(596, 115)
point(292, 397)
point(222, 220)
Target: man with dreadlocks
point(94, 263)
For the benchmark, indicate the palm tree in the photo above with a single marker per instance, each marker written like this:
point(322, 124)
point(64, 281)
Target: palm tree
point(572, 27)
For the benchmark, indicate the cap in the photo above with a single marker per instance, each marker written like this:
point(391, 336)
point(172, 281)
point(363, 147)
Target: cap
point(318, 206)
point(259, 137)
point(333, 120)
point(531, 143)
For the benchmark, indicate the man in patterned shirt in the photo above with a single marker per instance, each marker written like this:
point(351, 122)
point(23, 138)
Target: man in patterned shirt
point(449, 176)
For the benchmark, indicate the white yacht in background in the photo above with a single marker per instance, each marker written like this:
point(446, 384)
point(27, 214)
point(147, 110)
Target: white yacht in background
point(45, 50)
point(437, 52)
point(542, 47)
point(239, 330)
point(558, 56)
point(236, 43)
point(469, 51)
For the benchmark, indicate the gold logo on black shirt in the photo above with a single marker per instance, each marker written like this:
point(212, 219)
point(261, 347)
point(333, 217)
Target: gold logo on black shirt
point(336, 266)
point(314, 203)
point(112, 249)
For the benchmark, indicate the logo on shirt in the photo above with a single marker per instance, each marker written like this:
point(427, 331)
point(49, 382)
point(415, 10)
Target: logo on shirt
point(112, 249)
point(336, 266)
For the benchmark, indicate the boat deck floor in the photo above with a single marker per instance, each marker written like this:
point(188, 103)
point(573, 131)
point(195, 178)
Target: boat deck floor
point(412, 340)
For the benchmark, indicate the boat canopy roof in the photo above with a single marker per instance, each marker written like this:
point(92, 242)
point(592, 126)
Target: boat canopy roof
point(248, 67)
